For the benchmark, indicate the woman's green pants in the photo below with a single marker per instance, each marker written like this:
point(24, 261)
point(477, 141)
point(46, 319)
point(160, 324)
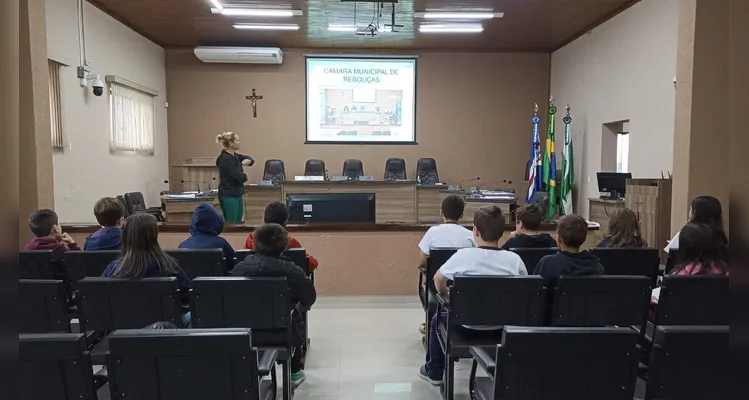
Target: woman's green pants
point(232, 207)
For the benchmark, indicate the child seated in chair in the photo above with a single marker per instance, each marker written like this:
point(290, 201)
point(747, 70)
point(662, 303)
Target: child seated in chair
point(109, 214)
point(278, 213)
point(205, 227)
point(270, 242)
point(624, 230)
point(572, 230)
point(528, 220)
point(48, 234)
point(486, 259)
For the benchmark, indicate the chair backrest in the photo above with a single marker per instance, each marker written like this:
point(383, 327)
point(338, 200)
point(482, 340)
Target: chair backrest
point(183, 364)
point(43, 306)
point(689, 362)
point(81, 264)
point(497, 300)
point(353, 168)
point(274, 171)
point(566, 363)
point(299, 257)
point(395, 168)
point(629, 261)
point(241, 254)
point(604, 300)
point(541, 199)
point(531, 256)
point(426, 171)
point(106, 304)
point(437, 258)
point(670, 261)
point(693, 300)
point(314, 168)
point(122, 201)
point(262, 304)
point(135, 202)
point(55, 366)
point(38, 264)
point(200, 262)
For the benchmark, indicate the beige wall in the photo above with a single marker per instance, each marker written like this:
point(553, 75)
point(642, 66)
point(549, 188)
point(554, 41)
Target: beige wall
point(473, 114)
point(86, 170)
point(622, 70)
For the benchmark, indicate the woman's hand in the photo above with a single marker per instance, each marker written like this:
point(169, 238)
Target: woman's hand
point(248, 162)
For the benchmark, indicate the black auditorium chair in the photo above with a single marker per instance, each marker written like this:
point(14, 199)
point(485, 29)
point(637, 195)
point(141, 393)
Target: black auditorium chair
point(395, 169)
point(670, 261)
point(605, 300)
point(43, 306)
point(260, 304)
point(217, 364)
point(241, 254)
point(531, 256)
point(693, 300)
point(689, 362)
point(299, 257)
point(352, 169)
point(427, 292)
point(38, 264)
point(629, 261)
point(135, 203)
point(314, 168)
point(82, 264)
point(426, 171)
point(55, 366)
point(485, 300)
point(200, 262)
point(274, 171)
point(558, 363)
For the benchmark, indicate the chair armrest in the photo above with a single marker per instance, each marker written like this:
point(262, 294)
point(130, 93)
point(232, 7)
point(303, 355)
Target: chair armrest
point(444, 300)
point(266, 361)
point(484, 355)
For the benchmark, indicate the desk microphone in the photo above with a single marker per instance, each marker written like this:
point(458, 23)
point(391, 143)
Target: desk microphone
point(197, 184)
point(460, 184)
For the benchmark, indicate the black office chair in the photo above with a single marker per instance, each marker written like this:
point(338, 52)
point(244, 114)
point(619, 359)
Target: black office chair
point(274, 171)
point(541, 199)
point(135, 203)
point(187, 364)
point(395, 169)
point(426, 171)
point(55, 366)
point(200, 262)
point(122, 201)
point(547, 363)
point(43, 306)
point(353, 169)
point(314, 168)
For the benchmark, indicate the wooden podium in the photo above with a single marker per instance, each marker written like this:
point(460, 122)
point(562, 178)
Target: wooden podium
point(650, 199)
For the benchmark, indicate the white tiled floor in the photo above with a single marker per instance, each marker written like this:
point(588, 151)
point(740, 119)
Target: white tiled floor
point(369, 348)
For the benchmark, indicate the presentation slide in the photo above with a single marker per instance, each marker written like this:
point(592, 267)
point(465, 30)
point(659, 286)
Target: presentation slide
point(360, 100)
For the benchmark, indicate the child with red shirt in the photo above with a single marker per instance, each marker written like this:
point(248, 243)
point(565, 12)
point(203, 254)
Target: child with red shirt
point(278, 213)
point(49, 236)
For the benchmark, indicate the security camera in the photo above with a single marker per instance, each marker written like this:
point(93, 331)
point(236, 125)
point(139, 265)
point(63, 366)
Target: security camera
point(98, 86)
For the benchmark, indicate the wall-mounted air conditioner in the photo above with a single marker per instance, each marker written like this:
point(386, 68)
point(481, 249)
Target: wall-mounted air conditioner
point(242, 55)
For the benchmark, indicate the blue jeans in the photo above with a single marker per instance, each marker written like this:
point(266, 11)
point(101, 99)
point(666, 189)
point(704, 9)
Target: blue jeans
point(435, 365)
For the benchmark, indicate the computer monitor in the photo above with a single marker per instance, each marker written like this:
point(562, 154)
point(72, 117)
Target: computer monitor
point(331, 207)
point(614, 183)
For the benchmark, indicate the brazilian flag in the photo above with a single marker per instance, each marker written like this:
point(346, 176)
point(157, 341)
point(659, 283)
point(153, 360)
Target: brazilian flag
point(550, 166)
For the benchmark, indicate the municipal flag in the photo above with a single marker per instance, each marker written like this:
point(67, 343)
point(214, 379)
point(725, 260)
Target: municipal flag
point(568, 168)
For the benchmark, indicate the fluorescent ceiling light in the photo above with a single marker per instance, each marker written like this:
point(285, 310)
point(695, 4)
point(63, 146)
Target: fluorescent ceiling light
point(217, 4)
point(256, 12)
point(352, 28)
point(451, 28)
point(268, 27)
point(458, 15)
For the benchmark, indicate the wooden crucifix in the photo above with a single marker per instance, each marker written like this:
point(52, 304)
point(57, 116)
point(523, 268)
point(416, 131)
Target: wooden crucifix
point(254, 98)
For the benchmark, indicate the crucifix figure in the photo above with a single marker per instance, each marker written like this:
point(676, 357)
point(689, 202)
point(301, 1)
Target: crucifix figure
point(254, 99)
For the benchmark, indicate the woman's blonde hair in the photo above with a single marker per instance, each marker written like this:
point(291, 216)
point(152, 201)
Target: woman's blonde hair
point(225, 138)
point(624, 229)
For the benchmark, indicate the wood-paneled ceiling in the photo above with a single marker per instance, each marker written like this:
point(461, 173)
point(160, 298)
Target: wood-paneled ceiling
point(528, 25)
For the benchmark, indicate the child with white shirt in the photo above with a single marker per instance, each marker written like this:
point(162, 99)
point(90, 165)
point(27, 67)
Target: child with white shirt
point(486, 259)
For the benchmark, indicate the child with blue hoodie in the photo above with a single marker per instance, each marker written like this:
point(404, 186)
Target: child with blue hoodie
point(109, 214)
point(205, 227)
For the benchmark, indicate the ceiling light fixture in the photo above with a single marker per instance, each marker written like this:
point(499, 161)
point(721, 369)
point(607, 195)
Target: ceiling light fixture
point(217, 4)
point(451, 28)
point(268, 27)
point(256, 12)
point(458, 15)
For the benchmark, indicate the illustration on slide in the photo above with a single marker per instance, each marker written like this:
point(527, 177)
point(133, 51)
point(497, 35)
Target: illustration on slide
point(371, 111)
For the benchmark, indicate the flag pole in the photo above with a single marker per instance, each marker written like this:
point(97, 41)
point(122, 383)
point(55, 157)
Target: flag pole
point(568, 167)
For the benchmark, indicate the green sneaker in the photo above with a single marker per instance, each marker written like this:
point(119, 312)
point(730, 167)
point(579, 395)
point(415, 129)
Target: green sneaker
point(297, 378)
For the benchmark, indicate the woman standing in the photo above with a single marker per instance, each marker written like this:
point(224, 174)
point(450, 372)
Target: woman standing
point(231, 176)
